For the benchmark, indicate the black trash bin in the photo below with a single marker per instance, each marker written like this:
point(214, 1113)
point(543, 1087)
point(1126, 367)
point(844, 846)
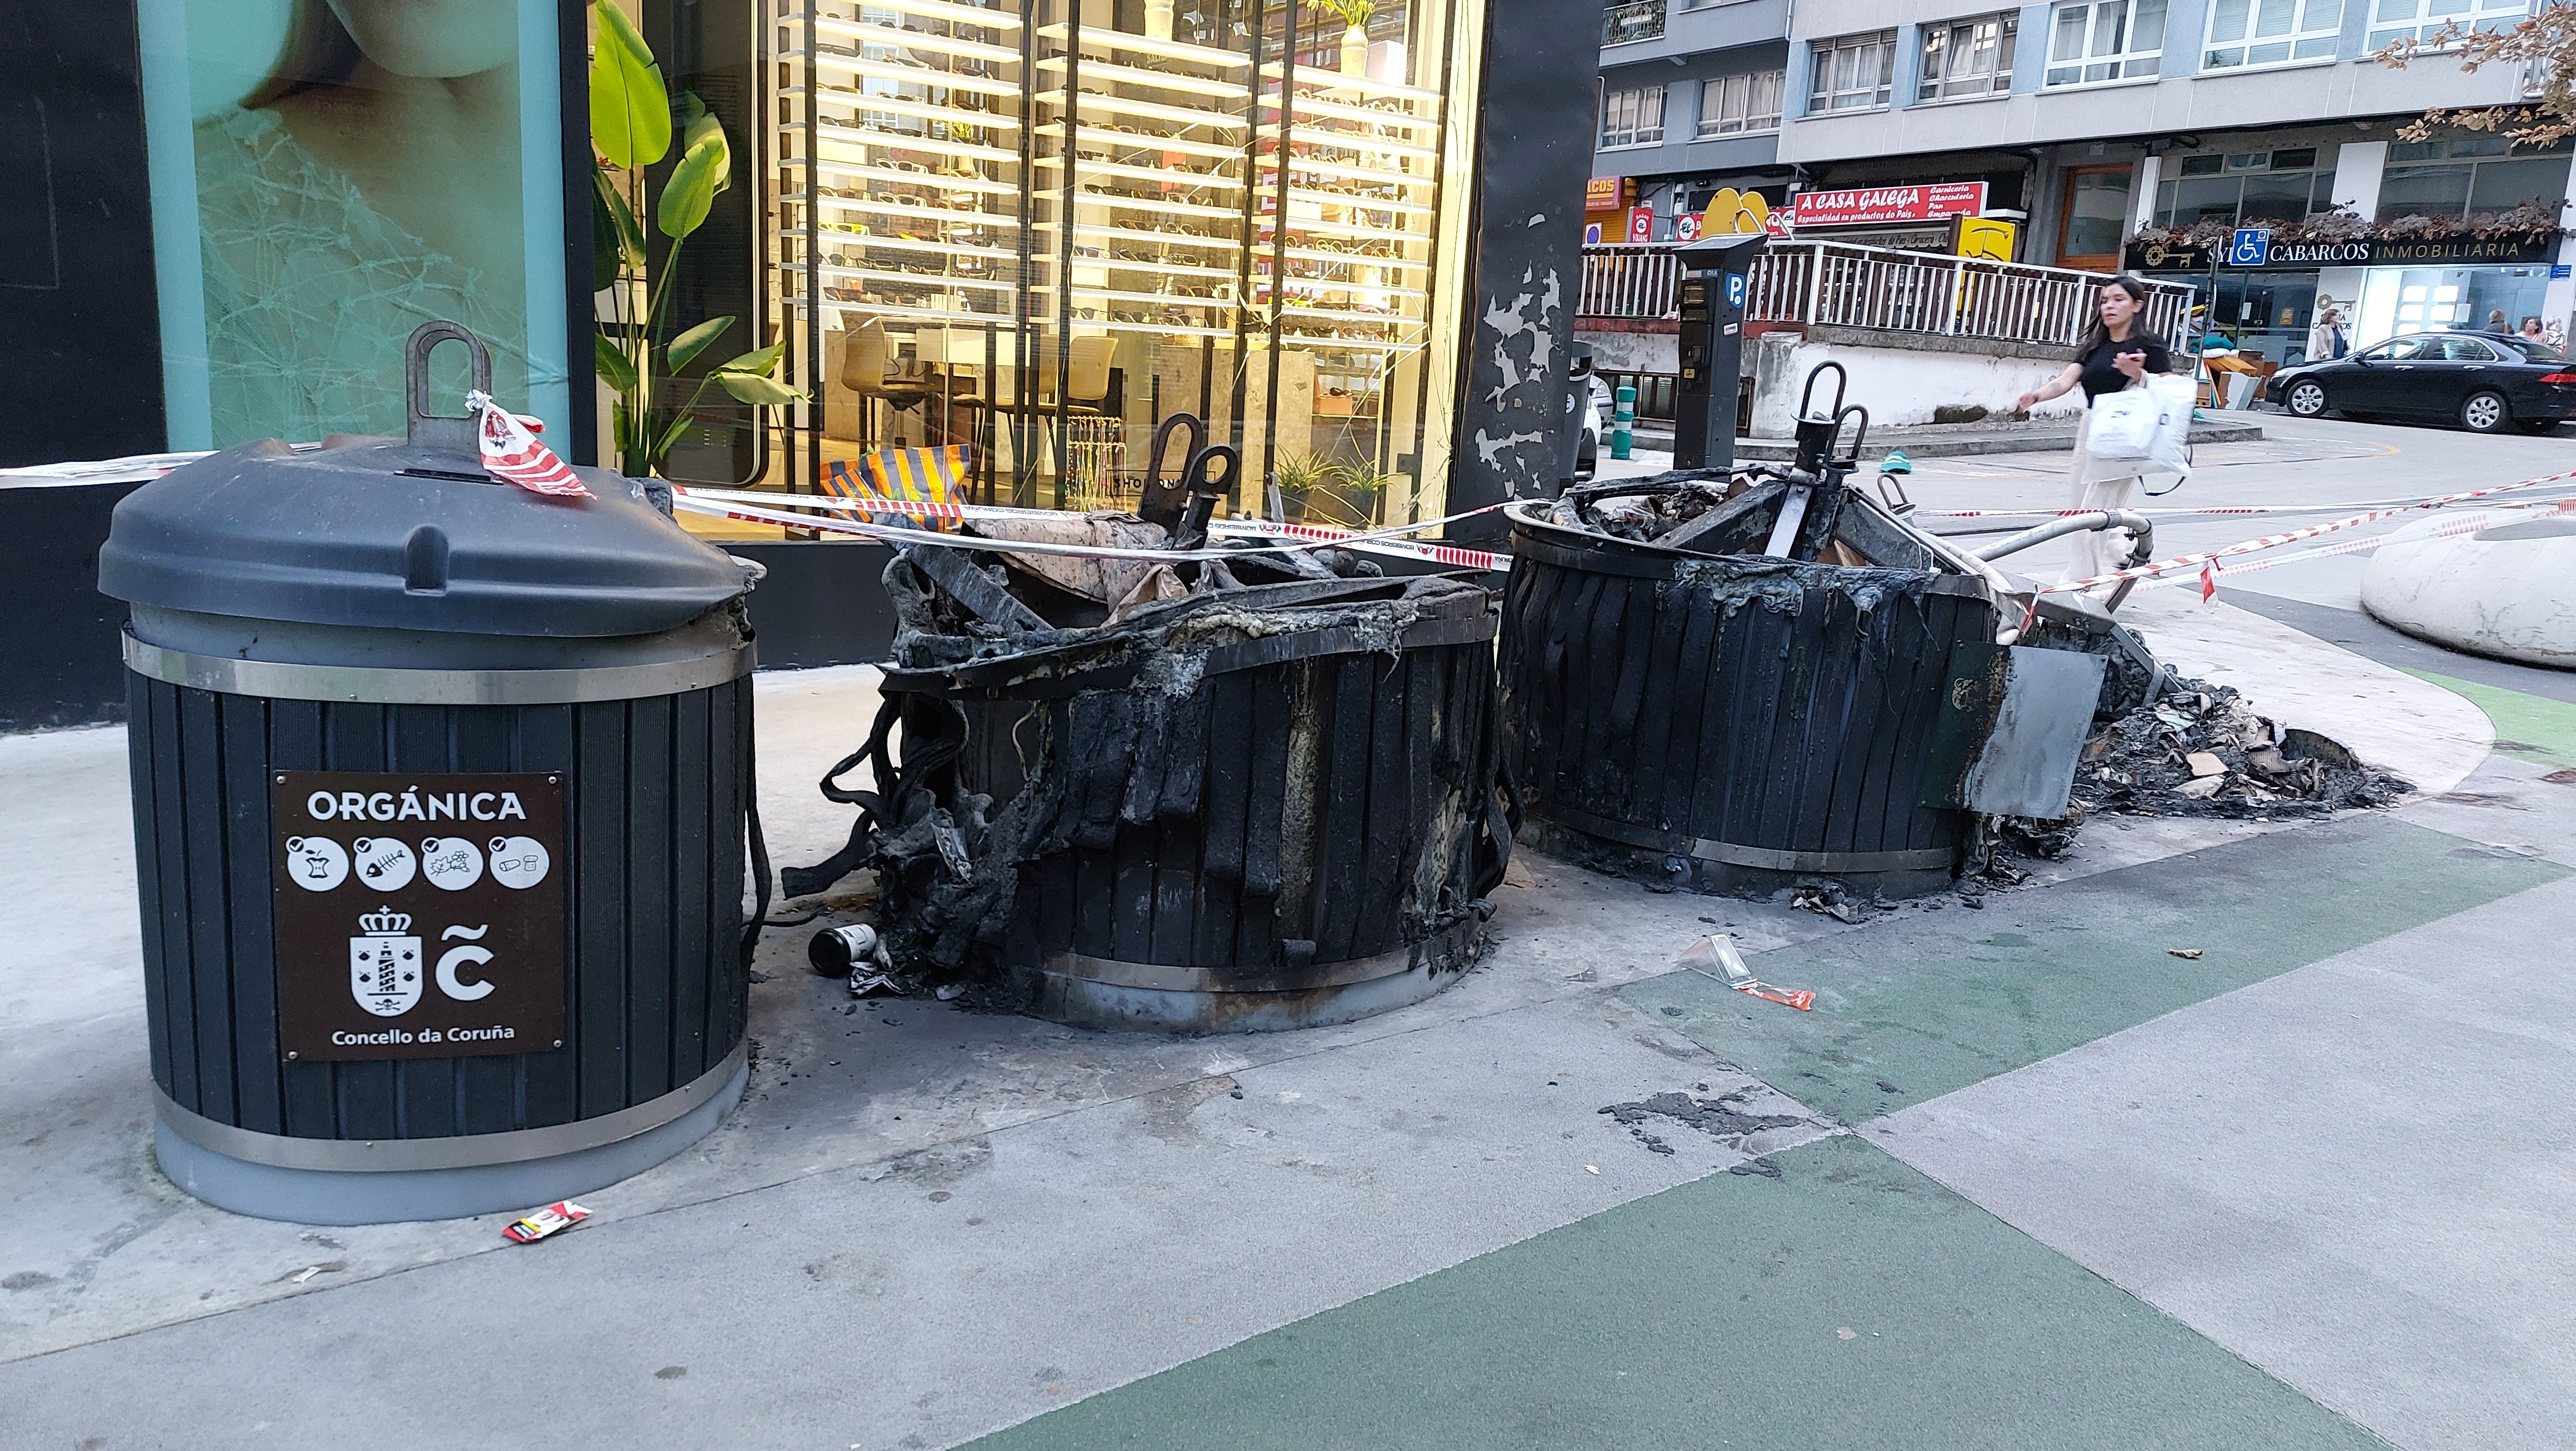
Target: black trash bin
point(439, 801)
point(1713, 719)
point(1269, 807)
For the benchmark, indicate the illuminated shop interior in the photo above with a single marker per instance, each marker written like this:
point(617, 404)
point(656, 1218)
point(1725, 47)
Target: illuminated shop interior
point(1038, 229)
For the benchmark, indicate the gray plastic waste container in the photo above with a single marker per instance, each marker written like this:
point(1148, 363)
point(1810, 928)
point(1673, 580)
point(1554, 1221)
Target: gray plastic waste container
point(439, 796)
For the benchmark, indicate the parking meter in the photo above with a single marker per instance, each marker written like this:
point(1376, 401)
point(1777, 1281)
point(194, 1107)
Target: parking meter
point(1578, 393)
point(1716, 276)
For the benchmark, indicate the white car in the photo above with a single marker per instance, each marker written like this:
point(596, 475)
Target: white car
point(1597, 408)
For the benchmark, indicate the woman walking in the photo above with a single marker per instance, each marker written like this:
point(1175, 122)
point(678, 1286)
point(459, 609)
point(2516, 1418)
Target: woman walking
point(2116, 355)
point(2326, 341)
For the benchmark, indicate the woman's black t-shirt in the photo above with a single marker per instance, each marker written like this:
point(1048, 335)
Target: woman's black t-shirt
point(2101, 375)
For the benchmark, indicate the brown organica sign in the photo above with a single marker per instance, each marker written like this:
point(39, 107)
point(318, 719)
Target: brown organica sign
point(418, 916)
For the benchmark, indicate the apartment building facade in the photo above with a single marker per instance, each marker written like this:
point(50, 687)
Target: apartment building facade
point(1692, 99)
point(2143, 134)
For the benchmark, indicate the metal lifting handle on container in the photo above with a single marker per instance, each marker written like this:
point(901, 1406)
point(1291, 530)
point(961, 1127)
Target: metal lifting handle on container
point(1817, 471)
point(1185, 505)
point(424, 429)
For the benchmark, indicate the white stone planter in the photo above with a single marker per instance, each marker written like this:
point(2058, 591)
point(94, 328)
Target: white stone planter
point(2508, 592)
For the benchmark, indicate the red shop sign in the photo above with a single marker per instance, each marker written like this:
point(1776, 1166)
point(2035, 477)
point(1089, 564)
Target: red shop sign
point(1879, 205)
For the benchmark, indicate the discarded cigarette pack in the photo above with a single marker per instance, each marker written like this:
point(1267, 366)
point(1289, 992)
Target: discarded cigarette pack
point(552, 1219)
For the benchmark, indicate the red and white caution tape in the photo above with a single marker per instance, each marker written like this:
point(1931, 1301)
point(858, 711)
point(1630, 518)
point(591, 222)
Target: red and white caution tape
point(2451, 527)
point(764, 507)
point(2236, 510)
point(2195, 561)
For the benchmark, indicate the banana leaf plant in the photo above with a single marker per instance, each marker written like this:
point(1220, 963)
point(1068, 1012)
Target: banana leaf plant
point(632, 128)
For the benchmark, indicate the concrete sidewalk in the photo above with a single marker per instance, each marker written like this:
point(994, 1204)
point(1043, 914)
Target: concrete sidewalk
point(2022, 1178)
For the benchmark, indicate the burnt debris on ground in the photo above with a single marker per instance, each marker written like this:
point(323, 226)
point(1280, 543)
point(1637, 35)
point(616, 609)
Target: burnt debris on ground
point(2199, 751)
point(1722, 1118)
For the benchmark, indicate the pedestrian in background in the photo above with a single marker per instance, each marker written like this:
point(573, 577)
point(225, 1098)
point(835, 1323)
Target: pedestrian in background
point(2116, 354)
point(2496, 322)
point(2326, 341)
point(2533, 332)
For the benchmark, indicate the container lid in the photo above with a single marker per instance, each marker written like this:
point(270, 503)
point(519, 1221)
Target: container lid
point(408, 535)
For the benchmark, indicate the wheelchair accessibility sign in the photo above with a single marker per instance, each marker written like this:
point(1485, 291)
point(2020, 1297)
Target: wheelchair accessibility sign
point(2250, 247)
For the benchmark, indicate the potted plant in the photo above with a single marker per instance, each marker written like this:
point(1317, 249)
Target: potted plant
point(1297, 476)
point(631, 125)
point(1350, 497)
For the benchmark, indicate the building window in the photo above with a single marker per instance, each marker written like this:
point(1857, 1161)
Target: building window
point(2106, 40)
point(2270, 32)
point(1633, 117)
point(1854, 73)
point(1735, 105)
point(2246, 188)
point(1972, 57)
point(2469, 175)
point(1632, 21)
point(2392, 21)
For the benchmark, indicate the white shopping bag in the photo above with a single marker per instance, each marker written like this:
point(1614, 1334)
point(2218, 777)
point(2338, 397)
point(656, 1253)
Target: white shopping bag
point(2144, 429)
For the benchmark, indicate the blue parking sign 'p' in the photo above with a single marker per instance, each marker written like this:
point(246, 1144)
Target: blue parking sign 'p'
point(1735, 289)
point(2251, 247)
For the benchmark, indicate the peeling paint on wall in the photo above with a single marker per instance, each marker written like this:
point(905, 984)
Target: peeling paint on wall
point(1534, 135)
point(1518, 341)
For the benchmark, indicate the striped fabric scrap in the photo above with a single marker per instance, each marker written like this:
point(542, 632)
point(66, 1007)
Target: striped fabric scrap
point(915, 475)
point(512, 452)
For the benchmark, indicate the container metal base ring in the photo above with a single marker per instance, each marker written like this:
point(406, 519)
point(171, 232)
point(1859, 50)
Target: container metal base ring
point(445, 1178)
point(1101, 993)
point(1767, 858)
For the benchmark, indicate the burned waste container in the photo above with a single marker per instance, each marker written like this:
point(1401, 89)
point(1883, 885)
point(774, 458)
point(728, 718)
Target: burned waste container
point(439, 801)
point(1740, 680)
point(1216, 793)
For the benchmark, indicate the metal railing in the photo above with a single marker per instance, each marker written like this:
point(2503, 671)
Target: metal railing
point(1636, 20)
point(1628, 280)
point(1836, 285)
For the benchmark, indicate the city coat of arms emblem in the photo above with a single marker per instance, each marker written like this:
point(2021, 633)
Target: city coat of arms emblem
point(384, 965)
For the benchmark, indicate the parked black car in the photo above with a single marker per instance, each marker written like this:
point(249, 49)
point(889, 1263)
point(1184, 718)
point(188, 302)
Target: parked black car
point(2484, 382)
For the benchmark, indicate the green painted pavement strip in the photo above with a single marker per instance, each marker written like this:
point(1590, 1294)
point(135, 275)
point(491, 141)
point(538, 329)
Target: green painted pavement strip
point(2532, 727)
point(1918, 1005)
point(1849, 1302)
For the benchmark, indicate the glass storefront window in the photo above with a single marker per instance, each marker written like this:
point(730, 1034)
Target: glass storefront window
point(1040, 230)
point(2397, 300)
point(310, 209)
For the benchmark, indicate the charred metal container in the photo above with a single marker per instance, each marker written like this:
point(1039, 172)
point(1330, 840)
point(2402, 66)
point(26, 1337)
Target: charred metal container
point(1684, 708)
point(439, 804)
point(1253, 808)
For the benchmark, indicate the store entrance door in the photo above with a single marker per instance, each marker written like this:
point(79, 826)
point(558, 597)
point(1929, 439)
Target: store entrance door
point(2267, 313)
